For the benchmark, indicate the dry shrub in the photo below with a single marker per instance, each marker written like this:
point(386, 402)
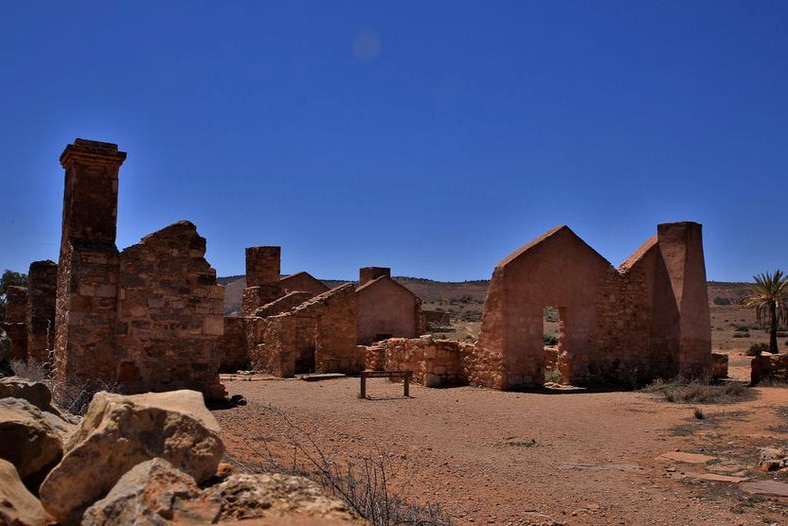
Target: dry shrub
point(700, 391)
point(372, 485)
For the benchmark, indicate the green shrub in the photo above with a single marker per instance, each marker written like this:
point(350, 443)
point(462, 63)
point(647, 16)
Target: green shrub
point(550, 339)
point(741, 334)
point(757, 348)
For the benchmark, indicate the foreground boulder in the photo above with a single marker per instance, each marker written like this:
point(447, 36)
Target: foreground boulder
point(153, 493)
point(278, 497)
point(37, 393)
point(18, 506)
point(117, 433)
point(29, 440)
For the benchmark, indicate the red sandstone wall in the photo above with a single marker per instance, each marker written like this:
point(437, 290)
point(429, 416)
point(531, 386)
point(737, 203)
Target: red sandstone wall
point(170, 314)
point(559, 270)
point(15, 318)
point(317, 336)
point(302, 282)
point(42, 295)
point(387, 308)
point(232, 346)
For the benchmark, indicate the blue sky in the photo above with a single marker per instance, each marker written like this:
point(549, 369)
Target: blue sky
point(432, 137)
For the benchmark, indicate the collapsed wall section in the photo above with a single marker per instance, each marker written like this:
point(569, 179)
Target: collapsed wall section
point(41, 299)
point(319, 336)
point(170, 314)
point(14, 323)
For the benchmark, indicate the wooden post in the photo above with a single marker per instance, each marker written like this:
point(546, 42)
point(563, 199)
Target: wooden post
point(363, 393)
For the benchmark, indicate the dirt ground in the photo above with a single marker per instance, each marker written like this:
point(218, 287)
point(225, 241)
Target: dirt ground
point(573, 457)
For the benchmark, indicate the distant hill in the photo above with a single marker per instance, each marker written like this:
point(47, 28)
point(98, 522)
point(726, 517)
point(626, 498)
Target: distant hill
point(462, 292)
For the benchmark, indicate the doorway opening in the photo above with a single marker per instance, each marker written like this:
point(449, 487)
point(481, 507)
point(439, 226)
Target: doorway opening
point(554, 339)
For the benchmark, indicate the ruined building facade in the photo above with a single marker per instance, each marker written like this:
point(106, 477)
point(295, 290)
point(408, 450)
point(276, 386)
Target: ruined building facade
point(284, 330)
point(144, 319)
point(647, 319)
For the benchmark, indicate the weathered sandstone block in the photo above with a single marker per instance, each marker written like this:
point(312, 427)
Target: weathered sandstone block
point(117, 433)
point(19, 507)
point(150, 494)
point(280, 498)
point(28, 440)
point(36, 393)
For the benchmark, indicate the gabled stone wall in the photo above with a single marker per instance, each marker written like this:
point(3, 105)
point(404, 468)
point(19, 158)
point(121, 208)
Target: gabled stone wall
point(386, 308)
point(317, 336)
point(649, 318)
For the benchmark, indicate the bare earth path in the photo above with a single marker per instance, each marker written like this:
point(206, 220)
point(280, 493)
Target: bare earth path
point(490, 457)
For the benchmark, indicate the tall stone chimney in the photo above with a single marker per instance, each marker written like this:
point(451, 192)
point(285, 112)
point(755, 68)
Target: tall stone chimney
point(88, 271)
point(262, 278)
point(90, 202)
point(367, 274)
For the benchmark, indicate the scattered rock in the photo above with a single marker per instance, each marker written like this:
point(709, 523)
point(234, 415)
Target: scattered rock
point(119, 432)
point(29, 440)
point(773, 458)
point(19, 507)
point(36, 393)
point(153, 493)
point(274, 495)
point(766, 487)
point(688, 458)
point(716, 477)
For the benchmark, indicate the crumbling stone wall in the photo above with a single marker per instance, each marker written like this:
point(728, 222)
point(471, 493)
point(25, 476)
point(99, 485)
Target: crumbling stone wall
point(147, 319)
point(171, 314)
point(646, 319)
point(434, 363)
point(15, 321)
point(233, 351)
point(41, 299)
point(769, 368)
point(317, 336)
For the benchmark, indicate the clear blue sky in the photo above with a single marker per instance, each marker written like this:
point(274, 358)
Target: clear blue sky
point(433, 137)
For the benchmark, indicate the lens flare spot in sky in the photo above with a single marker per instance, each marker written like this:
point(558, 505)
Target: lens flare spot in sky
point(366, 45)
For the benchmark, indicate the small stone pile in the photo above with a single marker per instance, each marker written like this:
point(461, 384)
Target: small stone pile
point(144, 459)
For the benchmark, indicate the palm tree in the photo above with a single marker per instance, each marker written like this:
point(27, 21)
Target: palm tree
point(769, 299)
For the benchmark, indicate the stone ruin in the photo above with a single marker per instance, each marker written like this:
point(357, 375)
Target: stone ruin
point(150, 317)
point(295, 325)
point(647, 319)
point(144, 319)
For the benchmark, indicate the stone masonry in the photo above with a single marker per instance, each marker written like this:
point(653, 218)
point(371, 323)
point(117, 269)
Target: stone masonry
point(41, 298)
point(386, 308)
point(262, 278)
point(147, 319)
point(649, 318)
point(14, 324)
point(317, 336)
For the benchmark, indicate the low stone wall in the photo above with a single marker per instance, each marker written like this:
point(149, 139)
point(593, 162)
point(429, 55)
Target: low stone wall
point(434, 363)
point(769, 368)
point(719, 365)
